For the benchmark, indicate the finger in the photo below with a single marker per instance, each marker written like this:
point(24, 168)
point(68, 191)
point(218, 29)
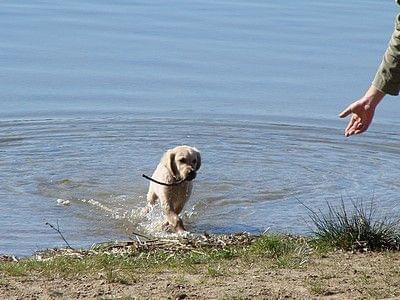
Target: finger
point(349, 133)
point(358, 131)
point(351, 123)
point(352, 131)
point(356, 126)
point(346, 112)
point(362, 129)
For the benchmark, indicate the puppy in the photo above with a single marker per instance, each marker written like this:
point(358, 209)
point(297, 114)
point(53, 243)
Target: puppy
point(179, 164)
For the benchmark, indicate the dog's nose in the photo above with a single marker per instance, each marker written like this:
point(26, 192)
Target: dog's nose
point(191, 175)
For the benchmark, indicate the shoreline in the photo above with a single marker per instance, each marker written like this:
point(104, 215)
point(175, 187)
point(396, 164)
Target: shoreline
point(237, 266)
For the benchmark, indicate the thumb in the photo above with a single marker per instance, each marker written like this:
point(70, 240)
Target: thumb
point(346, 112)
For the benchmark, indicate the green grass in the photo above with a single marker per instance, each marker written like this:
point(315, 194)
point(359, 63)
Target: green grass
point(214, 272)
point(276, 250)
point(317, 287)
point(274, 246)
point(283, 250)
point(3, 282)
point(358, 227)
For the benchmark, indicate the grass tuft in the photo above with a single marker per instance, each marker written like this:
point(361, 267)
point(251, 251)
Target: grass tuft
point(357, 227)
point(285, 250)
point(272, 246)
point(214, 272)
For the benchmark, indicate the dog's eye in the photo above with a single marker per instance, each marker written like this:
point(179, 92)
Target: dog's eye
point(182, 160)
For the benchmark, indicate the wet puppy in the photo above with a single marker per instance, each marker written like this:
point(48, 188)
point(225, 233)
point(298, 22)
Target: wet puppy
point(178, 166)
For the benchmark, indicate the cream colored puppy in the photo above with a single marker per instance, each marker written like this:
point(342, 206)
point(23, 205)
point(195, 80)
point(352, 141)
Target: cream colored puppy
point(178, 167)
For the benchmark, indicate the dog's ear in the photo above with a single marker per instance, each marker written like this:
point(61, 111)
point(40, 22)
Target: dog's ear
point(198, 164)
point(168, 160)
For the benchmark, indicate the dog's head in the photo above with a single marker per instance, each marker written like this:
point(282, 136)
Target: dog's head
point(183, 162)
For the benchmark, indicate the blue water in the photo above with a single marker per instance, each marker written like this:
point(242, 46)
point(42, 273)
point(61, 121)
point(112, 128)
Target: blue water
point(93, 92)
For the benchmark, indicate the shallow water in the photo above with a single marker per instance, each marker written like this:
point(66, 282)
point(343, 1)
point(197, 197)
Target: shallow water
point(92, 93)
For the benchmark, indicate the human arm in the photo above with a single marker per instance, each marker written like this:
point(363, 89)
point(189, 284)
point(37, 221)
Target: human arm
point(387, 78)
point(386, 81)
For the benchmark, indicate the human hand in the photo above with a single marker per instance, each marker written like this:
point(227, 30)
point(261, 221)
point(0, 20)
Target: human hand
point(362, 112)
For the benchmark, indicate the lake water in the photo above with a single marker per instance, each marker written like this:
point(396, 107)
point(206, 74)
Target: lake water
point(93, 92)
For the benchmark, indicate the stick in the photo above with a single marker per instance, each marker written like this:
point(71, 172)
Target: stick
point(266, 230)
point(163, 183)
point(59, 232)
point(142, 235)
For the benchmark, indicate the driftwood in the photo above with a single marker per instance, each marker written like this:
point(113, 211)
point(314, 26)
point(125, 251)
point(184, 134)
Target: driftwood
point(8, 258)
point(145, 245)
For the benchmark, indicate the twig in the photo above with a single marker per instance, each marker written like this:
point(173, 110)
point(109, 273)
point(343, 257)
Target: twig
point(142, 235)
point(139, 240)
point(59, 232)
point(266, 230)
point(198, 252)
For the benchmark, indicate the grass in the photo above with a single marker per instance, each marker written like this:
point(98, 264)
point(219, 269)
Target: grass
point(283, 250)
point(278, 250)
point(3, 282)
point(358, 227)
point(317, 287)
point(214, 272)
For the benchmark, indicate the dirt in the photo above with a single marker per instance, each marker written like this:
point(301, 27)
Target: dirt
point(337, 275)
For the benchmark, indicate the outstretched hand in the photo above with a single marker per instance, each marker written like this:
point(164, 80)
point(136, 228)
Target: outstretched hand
point(362, 112)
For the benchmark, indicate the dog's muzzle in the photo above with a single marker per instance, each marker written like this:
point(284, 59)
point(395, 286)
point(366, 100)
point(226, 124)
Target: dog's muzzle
point(191, 176)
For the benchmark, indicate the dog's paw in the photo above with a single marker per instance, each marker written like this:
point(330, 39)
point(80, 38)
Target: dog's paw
point(184, 233)
point(167, 227)
point(180, 231)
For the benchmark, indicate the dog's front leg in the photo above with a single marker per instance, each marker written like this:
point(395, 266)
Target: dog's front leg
point(151, 201)
point(173, 219)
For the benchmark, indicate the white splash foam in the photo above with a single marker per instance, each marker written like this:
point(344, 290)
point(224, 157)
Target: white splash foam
point(190, 214)
point(63, 202)
point(150, 223)
point(97, 204)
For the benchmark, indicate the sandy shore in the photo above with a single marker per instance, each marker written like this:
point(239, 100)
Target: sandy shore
point(247, 275)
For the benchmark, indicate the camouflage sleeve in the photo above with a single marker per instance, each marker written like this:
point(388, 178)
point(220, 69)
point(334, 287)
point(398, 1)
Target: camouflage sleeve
point(387, 78)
